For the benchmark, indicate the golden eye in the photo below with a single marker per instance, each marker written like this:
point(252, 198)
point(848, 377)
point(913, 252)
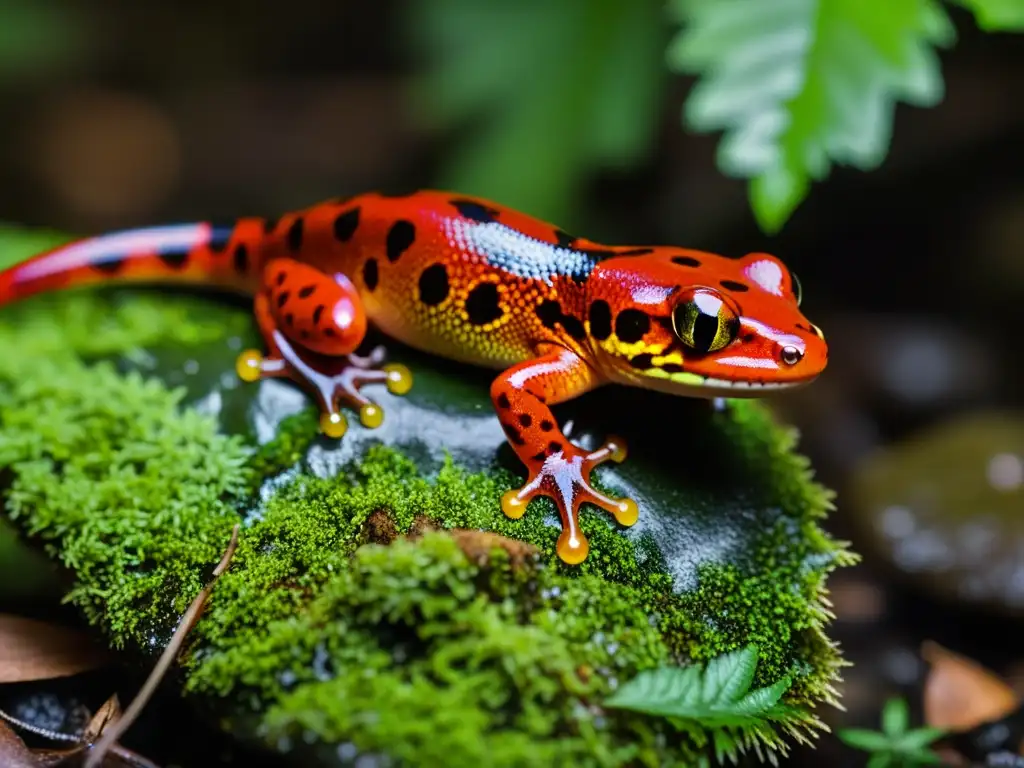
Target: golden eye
point(703, 321)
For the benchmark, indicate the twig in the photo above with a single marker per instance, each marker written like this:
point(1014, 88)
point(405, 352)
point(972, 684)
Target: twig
point(116, 730)
point(132, 758)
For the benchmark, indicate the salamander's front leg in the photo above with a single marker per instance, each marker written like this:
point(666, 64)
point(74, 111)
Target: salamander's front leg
point(312, 323)
point(557, 468)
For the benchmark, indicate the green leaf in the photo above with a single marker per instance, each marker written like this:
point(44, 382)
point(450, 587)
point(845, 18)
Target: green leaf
point(997, 15)
point(729, 675)
point(798, 85)
point(548, 92)
point(717, 698)
point(919, 738)
point(860, 738)
point(882, 760)
point(895, 717)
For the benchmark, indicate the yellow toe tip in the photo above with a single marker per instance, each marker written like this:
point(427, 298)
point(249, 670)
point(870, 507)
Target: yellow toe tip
point(617, 447)
point(399, 379)
point(371, 415)
point(572, 550)
point(333, 424)
point(249, 365)
point(627, 512)
point(513, 506)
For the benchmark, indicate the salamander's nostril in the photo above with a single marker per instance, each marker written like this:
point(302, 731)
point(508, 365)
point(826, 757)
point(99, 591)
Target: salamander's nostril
point(791, 355)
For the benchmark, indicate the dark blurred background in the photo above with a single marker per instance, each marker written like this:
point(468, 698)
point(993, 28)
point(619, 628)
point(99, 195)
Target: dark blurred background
point(117, 114)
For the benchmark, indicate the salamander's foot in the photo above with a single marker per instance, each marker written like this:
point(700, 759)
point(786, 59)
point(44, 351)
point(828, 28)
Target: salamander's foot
point(564, 476)
point(333, 390)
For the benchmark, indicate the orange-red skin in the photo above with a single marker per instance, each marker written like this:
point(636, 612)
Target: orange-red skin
point(476, 282)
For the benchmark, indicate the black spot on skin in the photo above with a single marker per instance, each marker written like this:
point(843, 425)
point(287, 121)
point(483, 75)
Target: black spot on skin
point(304, 333)
point(672, 368)
point(643, 361)
point(241, 258)
point(269, 225)
point(600, 319)
point(685, 261)
point(482, 304)
point(434, 285)
point(636, 252)
point(295, 232)
point(525, 419)
point(174, 260)
point(401, 235)
point(289, 319)
point(539, 456)
point(345, 225)
point(307, 291)
point(282, 298)
point(108, 264)
point(554, 446)
point(732, 285)
point(631, 325)
point(281, 277)
point(565, 240)
point(316, 314)
point(748, 338)
point(546, 425)
point(503, 401)
point(329, 332)
point(371, 274)
point(574, 327)
point(475, 211)
point(513, 434)
point(550, 313)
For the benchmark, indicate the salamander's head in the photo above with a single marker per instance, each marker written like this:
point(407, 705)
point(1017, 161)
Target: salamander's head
point(698, 324)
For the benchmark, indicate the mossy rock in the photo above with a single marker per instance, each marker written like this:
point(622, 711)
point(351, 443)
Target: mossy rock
point(379, 602)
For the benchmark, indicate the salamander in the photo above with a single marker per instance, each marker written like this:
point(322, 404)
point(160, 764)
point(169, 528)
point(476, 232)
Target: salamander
point(479, 283)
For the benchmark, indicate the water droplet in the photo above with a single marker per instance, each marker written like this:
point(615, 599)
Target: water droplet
point(1005, 472)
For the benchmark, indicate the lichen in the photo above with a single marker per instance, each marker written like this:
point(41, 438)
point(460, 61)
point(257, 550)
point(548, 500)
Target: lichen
point(332, 630)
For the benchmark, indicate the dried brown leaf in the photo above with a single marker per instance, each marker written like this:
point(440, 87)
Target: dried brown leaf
point(109, 713)
point(959, 693)
point(37, 650)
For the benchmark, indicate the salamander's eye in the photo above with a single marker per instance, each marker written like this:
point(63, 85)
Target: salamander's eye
point(798, 290)
point(703, 321)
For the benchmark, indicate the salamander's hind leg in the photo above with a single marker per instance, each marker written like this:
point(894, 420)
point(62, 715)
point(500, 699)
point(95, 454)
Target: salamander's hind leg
point(312, 323)
point(557, 468)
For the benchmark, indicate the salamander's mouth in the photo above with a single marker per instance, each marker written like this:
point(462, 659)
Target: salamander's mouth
point(696, 385)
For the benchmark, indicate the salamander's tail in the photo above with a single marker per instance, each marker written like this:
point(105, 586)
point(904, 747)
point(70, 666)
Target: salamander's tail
point(201, 253)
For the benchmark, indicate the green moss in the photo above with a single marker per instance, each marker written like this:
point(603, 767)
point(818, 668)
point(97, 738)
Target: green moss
point(442, 669)
point(408, 648)
point(138, 514)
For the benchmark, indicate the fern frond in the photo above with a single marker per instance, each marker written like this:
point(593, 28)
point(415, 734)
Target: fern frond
point(715, 707)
